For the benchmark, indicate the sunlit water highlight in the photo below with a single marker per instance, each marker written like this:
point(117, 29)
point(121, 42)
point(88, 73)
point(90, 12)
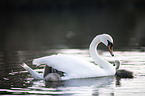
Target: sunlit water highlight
point(20, 82)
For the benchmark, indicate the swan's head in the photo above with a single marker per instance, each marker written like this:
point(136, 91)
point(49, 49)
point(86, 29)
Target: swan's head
point(108, 41)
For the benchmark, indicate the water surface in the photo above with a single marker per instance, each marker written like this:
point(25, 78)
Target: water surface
point(15, 80)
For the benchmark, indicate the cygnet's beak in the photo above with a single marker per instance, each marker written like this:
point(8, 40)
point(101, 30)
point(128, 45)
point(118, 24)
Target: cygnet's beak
point(111, 49)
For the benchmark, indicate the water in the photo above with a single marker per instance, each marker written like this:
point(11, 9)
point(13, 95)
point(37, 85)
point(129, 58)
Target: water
point(15, 80)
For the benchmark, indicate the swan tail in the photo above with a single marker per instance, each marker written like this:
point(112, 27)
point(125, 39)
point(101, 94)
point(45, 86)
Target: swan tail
point(34, 74)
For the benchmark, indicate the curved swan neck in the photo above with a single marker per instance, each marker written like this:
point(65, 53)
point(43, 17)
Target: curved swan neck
point(94, 54)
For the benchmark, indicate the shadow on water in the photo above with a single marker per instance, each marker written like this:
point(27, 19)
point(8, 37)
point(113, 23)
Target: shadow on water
point(118, 80)
point(98, 82)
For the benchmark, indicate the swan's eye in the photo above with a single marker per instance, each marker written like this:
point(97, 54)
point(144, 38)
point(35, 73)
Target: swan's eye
point(110, 44)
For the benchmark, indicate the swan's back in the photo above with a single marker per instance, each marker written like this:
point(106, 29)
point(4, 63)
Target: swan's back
point(74, 67)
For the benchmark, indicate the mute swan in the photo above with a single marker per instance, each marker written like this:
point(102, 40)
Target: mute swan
point(122, 73)
point(75, 67)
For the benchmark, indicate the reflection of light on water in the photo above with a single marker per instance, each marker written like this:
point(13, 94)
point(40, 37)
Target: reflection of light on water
point(74, 51)
point(105, 86)
point(81, 91)
point(81, 87)
point(131, 87)
point(128, 57)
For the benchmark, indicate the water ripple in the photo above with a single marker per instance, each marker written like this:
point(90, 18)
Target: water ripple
point(16, 81)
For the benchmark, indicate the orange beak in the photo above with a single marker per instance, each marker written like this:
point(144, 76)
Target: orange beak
point(111, 50)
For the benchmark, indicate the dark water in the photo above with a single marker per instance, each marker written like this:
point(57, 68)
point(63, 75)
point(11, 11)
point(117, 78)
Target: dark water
point(34, 29)
point(70, 28)
point(15, 80)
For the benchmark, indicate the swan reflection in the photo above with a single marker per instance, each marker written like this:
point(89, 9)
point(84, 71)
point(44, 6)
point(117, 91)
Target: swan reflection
point(90, 86)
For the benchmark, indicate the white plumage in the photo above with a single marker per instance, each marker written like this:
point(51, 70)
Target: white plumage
point(76, 67)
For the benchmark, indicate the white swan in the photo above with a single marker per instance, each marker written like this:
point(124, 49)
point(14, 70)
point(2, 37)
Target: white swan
point(75, 67)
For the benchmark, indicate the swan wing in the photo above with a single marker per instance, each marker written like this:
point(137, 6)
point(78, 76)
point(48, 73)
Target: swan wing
point(74, 67)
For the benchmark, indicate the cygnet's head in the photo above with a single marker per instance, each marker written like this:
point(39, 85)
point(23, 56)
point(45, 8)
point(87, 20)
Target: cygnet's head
point(117, 63)
point(52, 77)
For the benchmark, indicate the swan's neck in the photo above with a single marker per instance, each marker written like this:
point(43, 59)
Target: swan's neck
point(94, 54)
point(117, 66)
